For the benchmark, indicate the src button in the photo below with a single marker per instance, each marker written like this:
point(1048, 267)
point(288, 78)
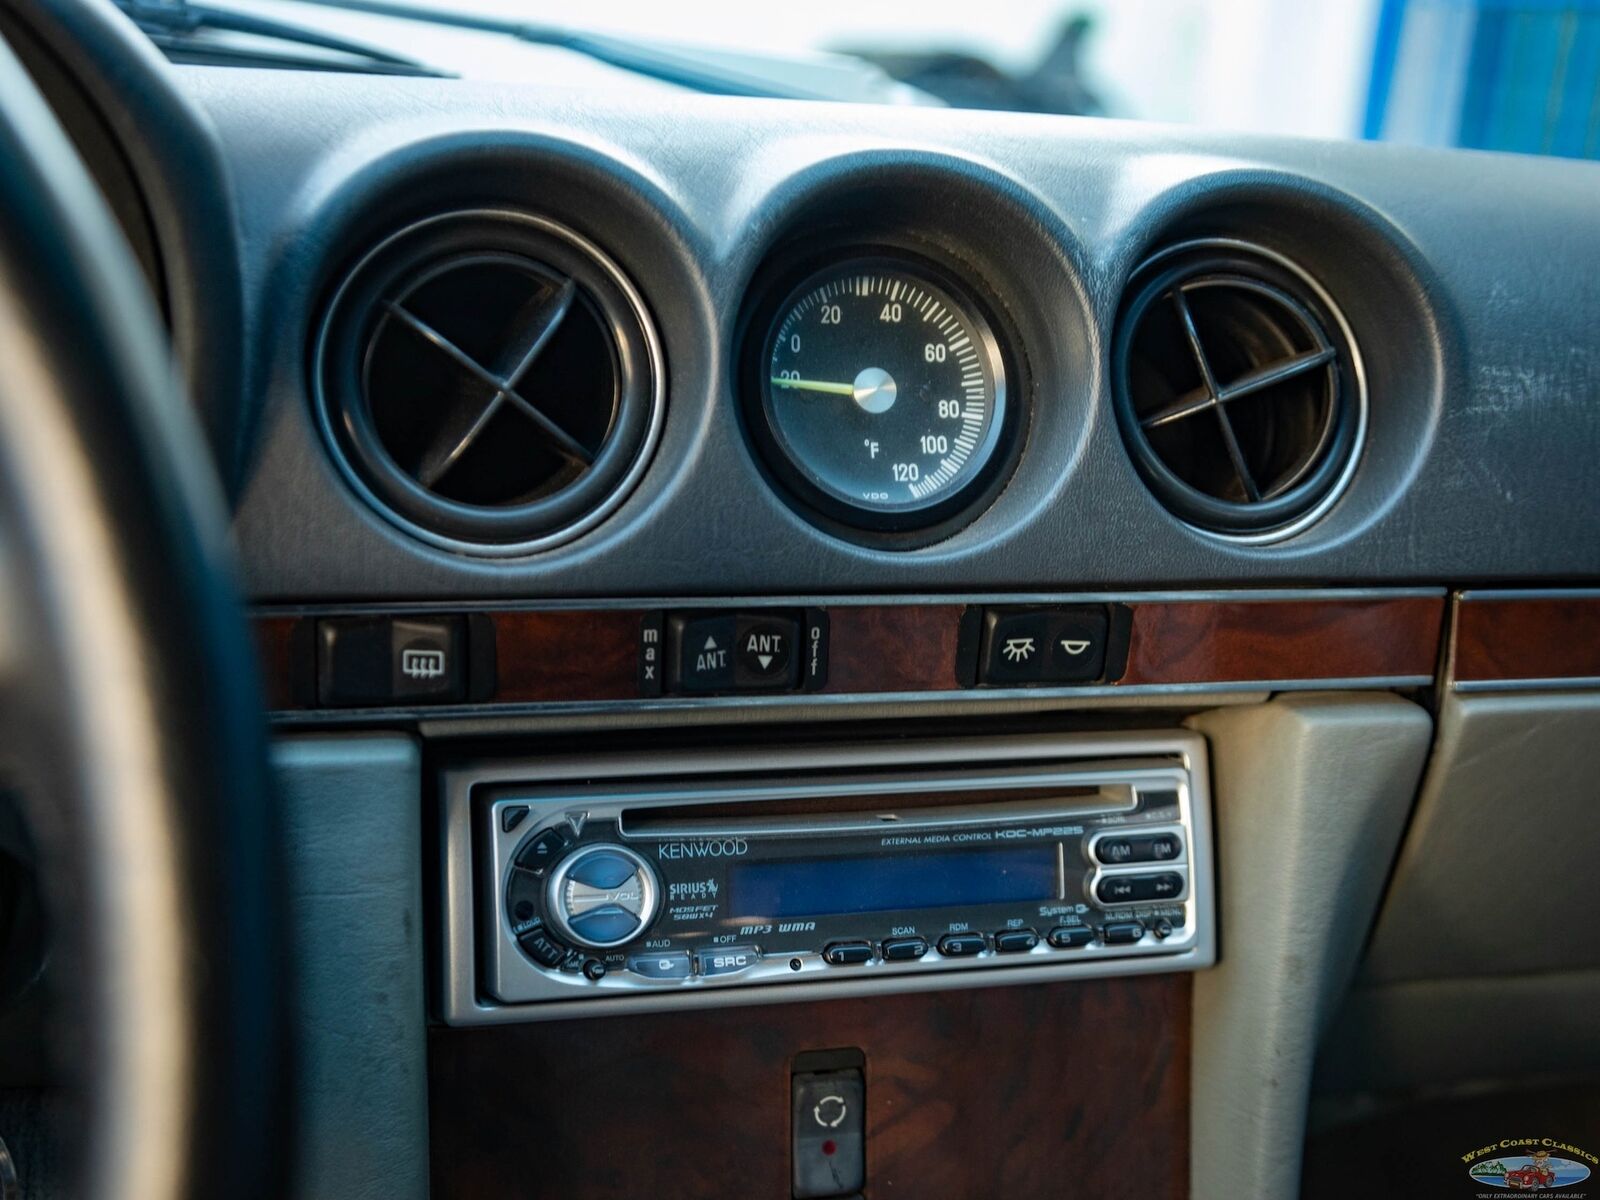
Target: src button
point(728, 960)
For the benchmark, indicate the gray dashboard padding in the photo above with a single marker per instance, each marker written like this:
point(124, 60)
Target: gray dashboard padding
point(353, 827)
point(1311, 795)
point(1440, 1033)
point(1502, 853)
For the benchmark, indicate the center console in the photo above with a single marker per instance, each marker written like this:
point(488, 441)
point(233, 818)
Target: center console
point(642, 882)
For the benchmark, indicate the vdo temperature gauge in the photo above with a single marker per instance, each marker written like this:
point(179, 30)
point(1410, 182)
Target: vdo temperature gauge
point(883, 394)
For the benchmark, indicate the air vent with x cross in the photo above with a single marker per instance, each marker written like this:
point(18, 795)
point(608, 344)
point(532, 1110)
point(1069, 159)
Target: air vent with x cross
point(1238, 389)
point(490, 381)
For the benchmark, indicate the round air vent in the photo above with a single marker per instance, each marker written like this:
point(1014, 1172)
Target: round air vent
point(1238, 389)
point(490, 381)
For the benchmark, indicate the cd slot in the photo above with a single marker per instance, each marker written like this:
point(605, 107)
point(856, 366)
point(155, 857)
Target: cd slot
point(903, 802)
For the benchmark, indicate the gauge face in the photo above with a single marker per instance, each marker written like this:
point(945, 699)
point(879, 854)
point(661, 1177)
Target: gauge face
point(883, 392)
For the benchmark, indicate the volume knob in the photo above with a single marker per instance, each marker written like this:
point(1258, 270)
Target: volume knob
point(603, 896)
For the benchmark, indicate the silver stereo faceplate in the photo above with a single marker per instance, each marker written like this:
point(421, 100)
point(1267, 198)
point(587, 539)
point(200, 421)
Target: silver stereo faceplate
point(1054, 800)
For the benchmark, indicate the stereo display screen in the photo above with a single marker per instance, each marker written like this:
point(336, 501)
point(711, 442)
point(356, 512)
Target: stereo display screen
point(823, 887)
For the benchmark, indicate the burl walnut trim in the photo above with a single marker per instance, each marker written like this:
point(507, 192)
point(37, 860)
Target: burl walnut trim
point(1509, 638)
point(1027, 1093)
point(590, 655)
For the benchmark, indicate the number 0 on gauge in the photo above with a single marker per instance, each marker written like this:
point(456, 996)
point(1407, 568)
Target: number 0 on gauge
point(883, 393)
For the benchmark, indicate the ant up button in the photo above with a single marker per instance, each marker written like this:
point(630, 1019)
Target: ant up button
point(702, 651)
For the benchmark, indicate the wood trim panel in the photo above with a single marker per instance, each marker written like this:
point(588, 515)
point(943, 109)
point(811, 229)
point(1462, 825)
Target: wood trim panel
point(1024, 1092)
point(1223, 641)
point(554, 656)
point(1506, 639)
point(893, 648)
point(589, 655)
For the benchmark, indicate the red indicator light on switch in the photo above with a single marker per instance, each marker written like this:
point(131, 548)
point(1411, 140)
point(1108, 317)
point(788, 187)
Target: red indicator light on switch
point(829, 1146)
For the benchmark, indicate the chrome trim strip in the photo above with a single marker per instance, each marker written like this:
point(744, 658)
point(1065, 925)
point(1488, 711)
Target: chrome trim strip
point(1576, 683)
point(801, 701)
point(1257, 595)
point(1492, 594)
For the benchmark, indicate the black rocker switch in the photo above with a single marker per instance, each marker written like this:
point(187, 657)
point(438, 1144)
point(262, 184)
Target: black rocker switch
point(829, 1152)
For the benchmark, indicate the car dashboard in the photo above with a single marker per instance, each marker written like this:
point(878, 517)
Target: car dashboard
point(1028, 620)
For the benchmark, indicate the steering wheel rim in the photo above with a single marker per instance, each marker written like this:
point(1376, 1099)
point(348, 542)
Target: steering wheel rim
point(130, 699)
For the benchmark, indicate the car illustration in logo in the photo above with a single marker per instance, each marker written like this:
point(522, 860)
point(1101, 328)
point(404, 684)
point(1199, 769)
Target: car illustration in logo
point(1536, 1169)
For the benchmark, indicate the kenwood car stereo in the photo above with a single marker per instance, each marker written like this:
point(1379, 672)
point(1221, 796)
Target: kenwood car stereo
point(665, 880)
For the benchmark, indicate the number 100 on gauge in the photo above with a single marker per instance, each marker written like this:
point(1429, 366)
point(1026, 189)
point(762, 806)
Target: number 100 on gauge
point(883, 394)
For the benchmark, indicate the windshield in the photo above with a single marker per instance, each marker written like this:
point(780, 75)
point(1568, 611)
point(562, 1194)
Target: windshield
point(1489, 74)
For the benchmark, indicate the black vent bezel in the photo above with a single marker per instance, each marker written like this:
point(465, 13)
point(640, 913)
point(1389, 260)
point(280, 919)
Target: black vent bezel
point(1328, 470)
point(357, 314)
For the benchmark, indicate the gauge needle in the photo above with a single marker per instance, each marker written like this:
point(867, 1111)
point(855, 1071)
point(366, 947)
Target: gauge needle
point(816, 385)
point(873, 390)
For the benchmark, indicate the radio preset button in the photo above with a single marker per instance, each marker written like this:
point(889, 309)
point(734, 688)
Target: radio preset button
point(1071, 937)
point(727, 960)
point(841, 954)
point(961, 945)
point(1121, 933)
point(1015, 941)
point(904, 949)
point(668, 964)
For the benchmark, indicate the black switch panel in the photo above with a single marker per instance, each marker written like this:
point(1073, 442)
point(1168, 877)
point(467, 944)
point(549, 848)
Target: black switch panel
point(779, 650)
point(1023, 647)
point(372, 661)
point(829, 1134)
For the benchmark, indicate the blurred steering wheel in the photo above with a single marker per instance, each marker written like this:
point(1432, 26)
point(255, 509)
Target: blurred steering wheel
point(130, 721)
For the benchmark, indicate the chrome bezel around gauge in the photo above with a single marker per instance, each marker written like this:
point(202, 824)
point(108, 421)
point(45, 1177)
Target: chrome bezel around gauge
point(801, 480)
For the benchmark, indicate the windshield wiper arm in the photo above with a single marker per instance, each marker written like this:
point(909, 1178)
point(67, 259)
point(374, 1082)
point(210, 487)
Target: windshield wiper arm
point(175, 26)
point(685, 66)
